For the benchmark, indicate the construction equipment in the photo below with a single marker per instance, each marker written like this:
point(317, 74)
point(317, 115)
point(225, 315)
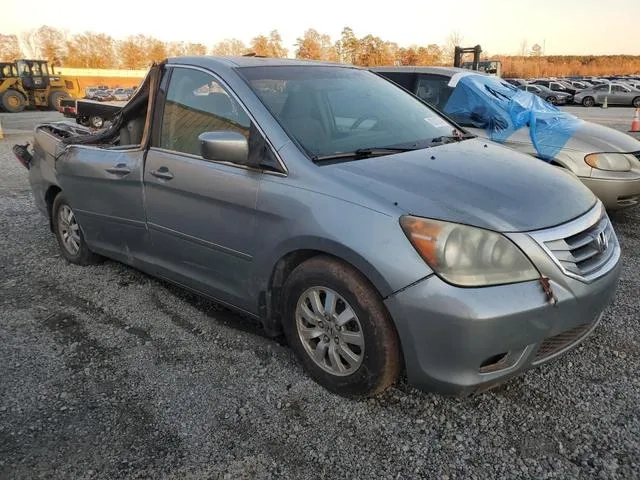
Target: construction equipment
point(29, 83)
point(492, 67)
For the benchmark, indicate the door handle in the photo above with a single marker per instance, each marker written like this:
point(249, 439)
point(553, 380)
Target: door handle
point(120, 169)
point(162, 172)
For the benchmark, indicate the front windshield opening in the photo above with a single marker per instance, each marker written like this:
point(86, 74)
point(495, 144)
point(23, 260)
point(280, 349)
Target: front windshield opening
point(332, 110)
point(24, 68)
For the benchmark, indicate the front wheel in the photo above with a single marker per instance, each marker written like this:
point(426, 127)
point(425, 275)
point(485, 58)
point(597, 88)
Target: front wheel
point(588, 102)
point(552, 100)
point(13, 101)
point(636, 102)
point(69, 235)
point(55, 97)
point(337, 325)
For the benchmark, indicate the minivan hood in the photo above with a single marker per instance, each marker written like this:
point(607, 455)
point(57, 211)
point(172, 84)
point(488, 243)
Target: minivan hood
point(471, 182)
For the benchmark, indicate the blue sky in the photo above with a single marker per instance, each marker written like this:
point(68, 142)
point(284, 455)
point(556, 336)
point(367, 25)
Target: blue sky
point(564, 26)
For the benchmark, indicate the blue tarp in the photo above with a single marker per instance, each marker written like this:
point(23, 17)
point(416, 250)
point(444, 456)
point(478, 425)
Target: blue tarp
point(501, 109)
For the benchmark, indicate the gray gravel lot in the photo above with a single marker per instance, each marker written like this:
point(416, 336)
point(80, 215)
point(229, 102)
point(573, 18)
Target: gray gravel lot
point(108, 373)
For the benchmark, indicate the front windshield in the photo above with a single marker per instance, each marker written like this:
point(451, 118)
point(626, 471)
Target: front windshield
point(331, 110)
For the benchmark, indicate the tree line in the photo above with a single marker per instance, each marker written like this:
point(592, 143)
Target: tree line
point(568, 65)
point(98, 50)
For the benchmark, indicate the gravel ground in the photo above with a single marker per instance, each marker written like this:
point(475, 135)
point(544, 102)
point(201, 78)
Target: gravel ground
point(108, 373)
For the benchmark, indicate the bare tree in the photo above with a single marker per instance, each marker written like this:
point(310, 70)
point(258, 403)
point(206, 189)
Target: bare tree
point(229, 46)
point(275, 42)
point(524, 48)
point(44, 43)
point(195, 49)
point(454, 40)
point(176, 49)
point(9, 48)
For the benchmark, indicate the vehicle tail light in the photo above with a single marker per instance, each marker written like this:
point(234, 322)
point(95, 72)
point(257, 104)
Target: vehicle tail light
point(22, 154)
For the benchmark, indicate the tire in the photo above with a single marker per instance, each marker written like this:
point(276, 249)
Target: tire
point(55, 97)
point(96, 121)
point(13, 101)
point(365, 370)
point(588, 102)
point(70, 240)
point(636, 102)
point(552, 100)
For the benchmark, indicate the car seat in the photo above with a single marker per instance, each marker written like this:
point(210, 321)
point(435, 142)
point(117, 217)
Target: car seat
point(300, 115)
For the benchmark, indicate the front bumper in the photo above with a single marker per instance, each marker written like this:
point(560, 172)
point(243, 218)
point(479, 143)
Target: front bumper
point(615, 194)
point(455, 339)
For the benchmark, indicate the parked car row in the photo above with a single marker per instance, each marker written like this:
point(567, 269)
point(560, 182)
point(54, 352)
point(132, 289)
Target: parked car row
point(378, 234)
point(588, 91)
point(108, 95)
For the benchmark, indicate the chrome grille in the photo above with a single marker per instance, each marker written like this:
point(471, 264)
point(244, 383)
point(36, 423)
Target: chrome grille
point(586, 248)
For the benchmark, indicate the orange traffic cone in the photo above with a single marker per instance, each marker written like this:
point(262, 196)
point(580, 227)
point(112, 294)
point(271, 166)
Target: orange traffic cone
point(635, 123)
point(2, 133)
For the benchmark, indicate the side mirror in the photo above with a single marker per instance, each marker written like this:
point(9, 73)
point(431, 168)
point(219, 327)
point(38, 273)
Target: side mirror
point(224, 146)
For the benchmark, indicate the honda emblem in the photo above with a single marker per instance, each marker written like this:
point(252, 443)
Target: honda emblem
point(602, 242)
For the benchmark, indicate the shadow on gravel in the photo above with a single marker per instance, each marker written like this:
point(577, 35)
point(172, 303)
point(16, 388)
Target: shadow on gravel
point(81, 349)
point(215, 311)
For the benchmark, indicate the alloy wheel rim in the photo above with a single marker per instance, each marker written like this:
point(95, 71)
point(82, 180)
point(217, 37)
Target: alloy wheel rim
point(13, 101)
point(330, 331)
point(69, 230)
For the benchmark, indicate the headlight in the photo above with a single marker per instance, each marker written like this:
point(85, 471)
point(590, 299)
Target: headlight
point(616, 162)
point(468, 256)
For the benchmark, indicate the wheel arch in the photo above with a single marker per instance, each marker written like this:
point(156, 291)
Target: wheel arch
point(289, 259)
point(49, 197)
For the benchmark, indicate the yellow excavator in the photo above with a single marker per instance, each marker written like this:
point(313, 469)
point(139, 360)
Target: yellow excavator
point(30, 83)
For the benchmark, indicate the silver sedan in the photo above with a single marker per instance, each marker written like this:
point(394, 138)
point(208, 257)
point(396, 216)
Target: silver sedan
point(554, 98)
point(615, 93)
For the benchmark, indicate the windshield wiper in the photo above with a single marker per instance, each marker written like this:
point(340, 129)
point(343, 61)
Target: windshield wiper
point(361, 153)
point(453, 138)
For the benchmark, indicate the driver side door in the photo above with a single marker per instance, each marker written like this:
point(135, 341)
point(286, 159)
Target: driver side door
point(200, 213)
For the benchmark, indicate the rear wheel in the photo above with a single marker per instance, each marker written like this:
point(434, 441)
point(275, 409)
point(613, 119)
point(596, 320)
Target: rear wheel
point(340, 330)
point(13, 101)
point(588, 102)
point(552, 100)
point(55, 97)
point(636, 102)
point(70, 237)
point(96, 121)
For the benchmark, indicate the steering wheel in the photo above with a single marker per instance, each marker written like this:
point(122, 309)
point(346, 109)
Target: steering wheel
point(361, 119)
